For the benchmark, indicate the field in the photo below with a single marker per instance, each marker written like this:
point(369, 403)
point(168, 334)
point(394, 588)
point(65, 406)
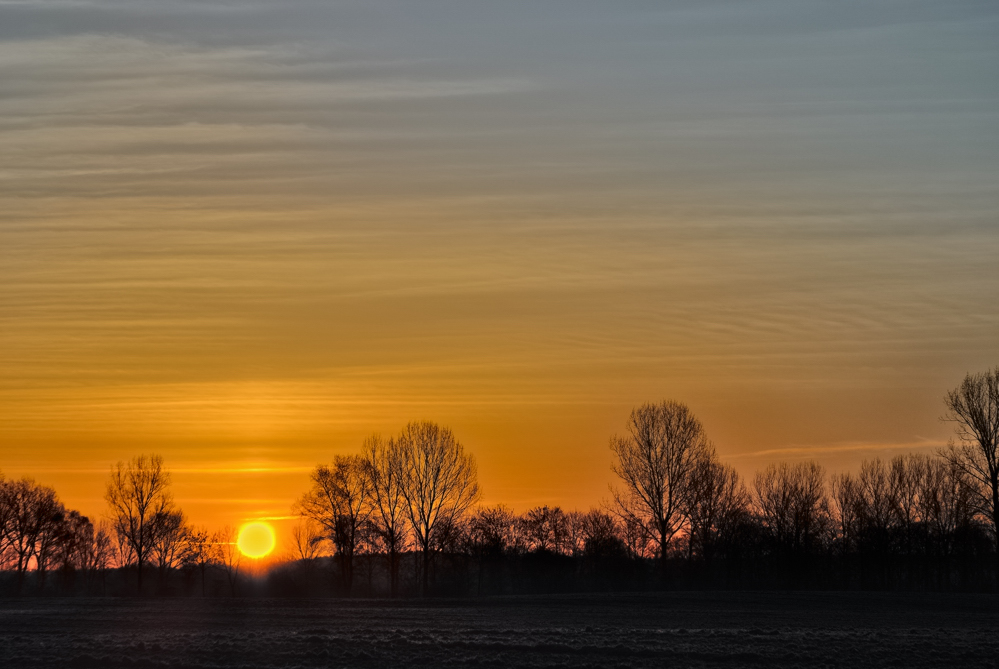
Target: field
point(666, 630)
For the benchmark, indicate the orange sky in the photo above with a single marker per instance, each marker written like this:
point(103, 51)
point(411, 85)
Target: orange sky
point(246, 240)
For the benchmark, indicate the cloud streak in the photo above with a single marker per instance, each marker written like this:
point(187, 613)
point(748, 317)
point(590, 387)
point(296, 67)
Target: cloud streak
point(264, 230)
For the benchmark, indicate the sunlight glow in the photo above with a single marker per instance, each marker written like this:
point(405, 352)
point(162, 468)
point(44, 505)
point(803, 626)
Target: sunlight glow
point(256, 539)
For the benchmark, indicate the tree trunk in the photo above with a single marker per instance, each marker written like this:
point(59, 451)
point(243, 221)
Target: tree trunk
point(348, 573)
point(426, 572)
point(995, 523)
point(139, 565)
point(393, 572)
point(663, 566)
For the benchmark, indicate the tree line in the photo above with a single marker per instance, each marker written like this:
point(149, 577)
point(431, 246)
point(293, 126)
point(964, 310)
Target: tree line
point(402, 518)
point(143, 531)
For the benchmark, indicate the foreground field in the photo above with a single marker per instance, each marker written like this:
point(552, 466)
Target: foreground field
point(669, 630)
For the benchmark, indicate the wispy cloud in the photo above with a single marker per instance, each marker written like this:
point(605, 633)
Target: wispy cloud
point(261, 230)
point(817, 450)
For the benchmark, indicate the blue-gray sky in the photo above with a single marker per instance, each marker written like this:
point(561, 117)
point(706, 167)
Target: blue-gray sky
point(247, 234)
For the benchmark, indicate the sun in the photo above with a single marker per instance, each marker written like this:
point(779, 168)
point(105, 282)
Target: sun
point(255, 539)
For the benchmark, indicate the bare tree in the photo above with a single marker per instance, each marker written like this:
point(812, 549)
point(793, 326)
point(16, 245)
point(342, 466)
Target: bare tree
point(122, 554)
point(490, 534)
point(792, 503)
point(877, 496)
point(169, 541)
point(716, 500)
point(18, 526)
point(229, 555)
point(438, 483)
point(340, 501)
point(307, 539)
point(6, 514)
point(69, 541)
point(974, 408)
point(601, 531)
point(491, 529)
point(908, 476)
point(655, 463)
point(53, 530)
point(138, 494)
point(947, 502)
point(546, 528)
point(100, 553)
point(72, 542)
point(34, 515)
point(201, 551)
point(384, 465)
point(636, 537)
point(575, 538)
point(846, 496)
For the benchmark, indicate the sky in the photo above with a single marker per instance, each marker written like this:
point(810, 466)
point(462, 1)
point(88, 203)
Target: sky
point(246, 235)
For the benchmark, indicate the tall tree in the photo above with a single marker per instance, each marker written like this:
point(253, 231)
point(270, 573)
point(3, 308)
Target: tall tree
point(34, 517)
point(66, 546)
point(201, 551)
point(439, 484)
point(491, 530)
point(307, 540)
point(340, 501)
point(384, 468)
point(974, 408)
point(169, 542)
point(908, 477)
point(229, 556)
point(100, 553)
point(546, 528)
point(878, 498)
point(949, 505)
point(792, 503)
point(601, 533)
point(73, 541)
point(716, 500)
point(490, 533)
point(846, 494)
point(655, 462)
point(138, 494)
point(6, 513)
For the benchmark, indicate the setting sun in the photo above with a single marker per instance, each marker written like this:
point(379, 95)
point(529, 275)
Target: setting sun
point(256, 539)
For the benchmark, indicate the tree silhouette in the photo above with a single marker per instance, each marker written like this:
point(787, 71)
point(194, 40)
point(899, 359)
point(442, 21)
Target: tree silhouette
point(546, 528)
point(439, 484)
point(794, 512)
point(34, 519)
point(974, 408)
point(384, 467)
point(655, 462)
point(307, 540)
point(69, 549)
point(201, 551)
point(340, 501)
point(490, 534)
point(169, 541)
point(716, 500)
point(138, 494)
point(229, 555)
point(100, 552)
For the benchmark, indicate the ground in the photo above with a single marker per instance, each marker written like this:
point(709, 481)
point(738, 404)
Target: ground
point(663, 630)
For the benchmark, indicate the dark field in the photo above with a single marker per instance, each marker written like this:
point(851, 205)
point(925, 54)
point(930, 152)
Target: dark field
point(667, 630)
